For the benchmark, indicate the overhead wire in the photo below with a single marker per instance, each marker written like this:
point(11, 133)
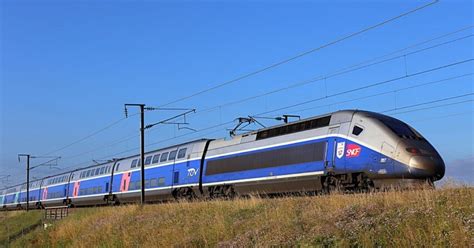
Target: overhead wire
point(284, 61)
point(429, 102)
point(370, 85)
point(444, 116)
point(88, 136)
point(384, 93)
point(349, 69)
point(339, 72)
point(437, 106)
point(150, 144)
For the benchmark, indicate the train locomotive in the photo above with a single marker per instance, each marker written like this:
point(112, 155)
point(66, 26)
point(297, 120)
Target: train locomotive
point(343, 150)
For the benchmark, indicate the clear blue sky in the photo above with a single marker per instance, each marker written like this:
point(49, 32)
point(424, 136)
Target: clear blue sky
point(67, 69)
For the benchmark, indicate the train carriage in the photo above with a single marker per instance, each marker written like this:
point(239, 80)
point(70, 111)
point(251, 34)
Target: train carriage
point(348, 150)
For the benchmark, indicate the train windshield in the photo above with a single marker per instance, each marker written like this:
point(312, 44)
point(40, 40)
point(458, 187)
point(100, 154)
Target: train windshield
point(399, 128)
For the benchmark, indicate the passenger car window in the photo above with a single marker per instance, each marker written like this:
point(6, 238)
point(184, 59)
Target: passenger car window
point(164, 156)
point(148, 160)
point(117, 168)
point(156, 158)
point(357, 130)
point(172, 155)
point(182, 153)
point(161, 181)
point(134, 163)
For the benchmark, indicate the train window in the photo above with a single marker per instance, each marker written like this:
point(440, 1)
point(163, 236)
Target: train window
point(263, 134)
point(182, 153)
point(148, 160)
point(147, 183)
point(293, 128)
point(161, 181)
point(117, 168)
point(172, 155)
point(102, 170)
point(156, 159)
point(164, 157)
point(307, 153)
point(97, 171)
point(134, 163)
point(357, 130)
point(399, 128)
point(154, 182)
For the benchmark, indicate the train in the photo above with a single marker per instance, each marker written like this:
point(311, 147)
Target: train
point(352, 150)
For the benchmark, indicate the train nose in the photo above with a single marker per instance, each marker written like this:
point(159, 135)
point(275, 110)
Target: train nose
point(428, 166)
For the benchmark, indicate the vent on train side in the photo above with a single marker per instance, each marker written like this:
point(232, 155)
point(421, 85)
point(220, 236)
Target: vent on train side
point(293, 128)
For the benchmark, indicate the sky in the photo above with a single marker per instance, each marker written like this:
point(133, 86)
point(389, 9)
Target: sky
point(68, 67)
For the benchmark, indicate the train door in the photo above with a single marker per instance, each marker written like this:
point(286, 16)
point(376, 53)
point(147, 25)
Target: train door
point(75, 192)
point(65, 186)
point(335, 160)
point(45, 193)
point(386, 163)
point(175, 177)
point(17, 198)
point(125, 182)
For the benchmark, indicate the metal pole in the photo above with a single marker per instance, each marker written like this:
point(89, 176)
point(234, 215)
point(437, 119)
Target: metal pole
point(27, 182)
point(142, 152)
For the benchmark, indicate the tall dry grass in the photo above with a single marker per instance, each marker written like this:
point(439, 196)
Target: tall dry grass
point(423, 218)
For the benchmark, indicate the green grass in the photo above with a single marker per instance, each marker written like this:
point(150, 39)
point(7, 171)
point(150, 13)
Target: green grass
point(422, 218)
point(13, 222)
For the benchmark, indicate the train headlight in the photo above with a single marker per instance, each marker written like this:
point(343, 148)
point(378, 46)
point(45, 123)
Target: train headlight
point(414, 151)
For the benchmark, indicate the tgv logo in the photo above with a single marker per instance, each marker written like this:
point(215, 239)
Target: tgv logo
point(353, 150)
point(192, 172)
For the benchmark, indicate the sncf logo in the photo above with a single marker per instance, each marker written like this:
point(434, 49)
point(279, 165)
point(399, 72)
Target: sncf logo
point(353, 150)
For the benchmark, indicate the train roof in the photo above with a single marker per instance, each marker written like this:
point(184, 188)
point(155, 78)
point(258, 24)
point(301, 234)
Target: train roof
point(343, 114)
point(100, 164)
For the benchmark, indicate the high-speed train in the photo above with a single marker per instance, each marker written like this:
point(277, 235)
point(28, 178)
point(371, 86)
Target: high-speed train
point(348, 150)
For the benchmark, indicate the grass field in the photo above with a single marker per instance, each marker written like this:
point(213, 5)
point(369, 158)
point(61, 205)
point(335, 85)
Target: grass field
point(422, 218)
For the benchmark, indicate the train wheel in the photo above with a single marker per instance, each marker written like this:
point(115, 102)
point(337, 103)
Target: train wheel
point(184, 193)
point(331, 184)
